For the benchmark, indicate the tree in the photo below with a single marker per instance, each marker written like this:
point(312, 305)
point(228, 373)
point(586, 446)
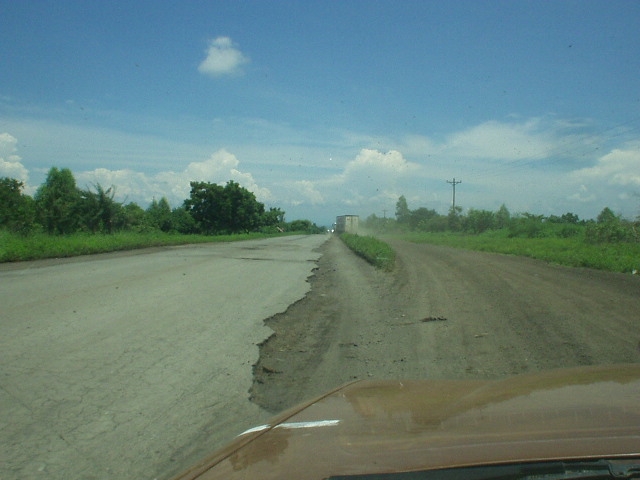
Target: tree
point(228, 209)
point(57, 202)
point(527, 225)
point(610, 228)
point(243, 212)
point(131, 217)
point(273, 221)
point(306, 226)
point(98, 210)
point(503, 217)
point(300, 226)
point(182, 222)
point(402, 210)
point(439, 223)
point(420, 217)
point(205, 204)
point(272, 217)
point(159, 215)
point(17, 210)
point(566, 218)
point(571, 218)
point(479, 221)
point(607, 216)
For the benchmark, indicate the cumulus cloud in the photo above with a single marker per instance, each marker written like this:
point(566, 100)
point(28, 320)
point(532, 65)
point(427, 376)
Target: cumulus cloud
point(140, 187)
point(370, 161)
point(10, 163)
point(208, 169)
point(375, 175)
point(307, 192)
point(220, 167)
point(223, 58)
point(247, 181)
point(618, 167)
point(369, 178)
point(498, 161)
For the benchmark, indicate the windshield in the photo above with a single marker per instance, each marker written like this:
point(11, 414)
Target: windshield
point(212, 212)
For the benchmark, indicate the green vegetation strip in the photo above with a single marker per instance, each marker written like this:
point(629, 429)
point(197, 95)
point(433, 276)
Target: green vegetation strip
point(15, 247)
point(374, 251)
point(573, 251)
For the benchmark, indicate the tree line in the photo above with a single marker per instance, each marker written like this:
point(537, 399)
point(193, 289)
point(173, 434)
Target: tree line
point(59, 207)
point(606, 228)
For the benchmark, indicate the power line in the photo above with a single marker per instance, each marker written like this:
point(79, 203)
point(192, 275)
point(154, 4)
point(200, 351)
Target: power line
point(453, 184)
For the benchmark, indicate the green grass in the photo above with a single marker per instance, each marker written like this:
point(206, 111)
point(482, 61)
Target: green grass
point(573, 251)
point(373, 250)
point(14, 248)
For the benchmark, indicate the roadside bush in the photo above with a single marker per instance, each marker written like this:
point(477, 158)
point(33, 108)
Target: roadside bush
point(17, 210)
point(182, 222)
point(569, 231)
point(374, 251)
point(306, 226)
point(574, 251)
point(526, 226)
point(479, 221)
point(610, 232)
point(610, 228)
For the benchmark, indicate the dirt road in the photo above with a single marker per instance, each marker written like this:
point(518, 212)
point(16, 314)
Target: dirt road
point(443, 313)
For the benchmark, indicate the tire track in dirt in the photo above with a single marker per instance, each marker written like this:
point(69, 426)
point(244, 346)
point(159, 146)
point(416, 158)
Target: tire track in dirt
point(443, 313)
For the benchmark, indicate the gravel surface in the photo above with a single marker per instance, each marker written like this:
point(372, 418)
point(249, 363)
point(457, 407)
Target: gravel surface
point(443, 313)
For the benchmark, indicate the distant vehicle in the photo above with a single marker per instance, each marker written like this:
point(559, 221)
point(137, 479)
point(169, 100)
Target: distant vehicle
point(347, 224)
point(570, 423)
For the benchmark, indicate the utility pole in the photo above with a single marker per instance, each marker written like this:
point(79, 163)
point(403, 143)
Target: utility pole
point(453, 184)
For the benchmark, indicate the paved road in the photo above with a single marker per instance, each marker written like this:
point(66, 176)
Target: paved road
point(134, 365)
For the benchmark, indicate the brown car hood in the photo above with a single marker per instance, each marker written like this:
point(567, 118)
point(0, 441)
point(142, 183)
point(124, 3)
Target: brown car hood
point(393, 426)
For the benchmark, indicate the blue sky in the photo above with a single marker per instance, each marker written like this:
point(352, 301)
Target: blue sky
point(330, 108)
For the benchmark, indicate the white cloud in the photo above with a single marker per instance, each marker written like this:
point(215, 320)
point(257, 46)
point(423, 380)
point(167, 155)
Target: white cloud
point(10, 163)
point(500, 141)
point(129, 185)
point(247, 181)
point(375, 176)
point(371, 161)
point(369, 180)
point(140, 187)
point(207, 170)
point(583, 195)
point(223, 58)
point(320, 173)
point(306, 192)
point(618, 167)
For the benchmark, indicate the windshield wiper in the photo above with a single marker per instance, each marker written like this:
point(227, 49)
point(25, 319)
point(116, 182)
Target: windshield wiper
point(624, 468)
point(584, 469)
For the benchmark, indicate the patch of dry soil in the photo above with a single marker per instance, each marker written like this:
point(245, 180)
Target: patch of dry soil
point(443, 313)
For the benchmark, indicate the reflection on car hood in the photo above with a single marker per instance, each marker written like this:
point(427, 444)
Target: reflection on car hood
point(392, 426)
